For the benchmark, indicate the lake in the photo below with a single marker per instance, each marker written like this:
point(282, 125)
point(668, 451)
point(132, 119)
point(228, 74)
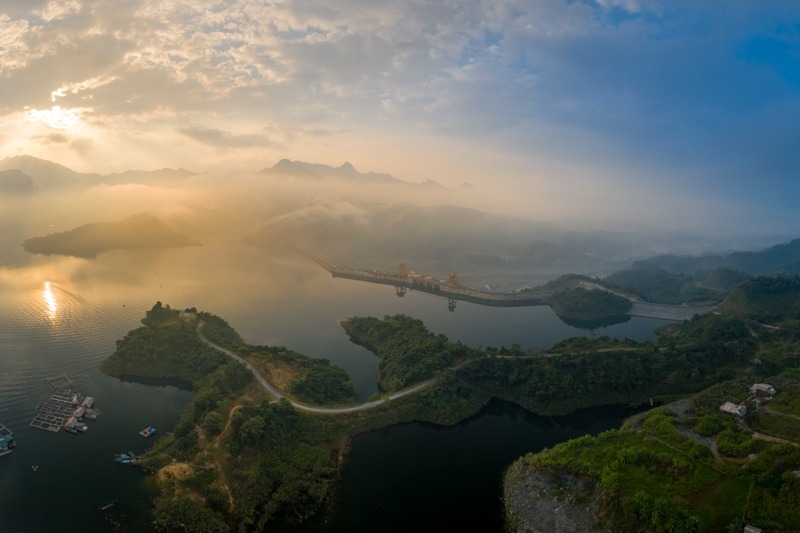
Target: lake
point(64, 315)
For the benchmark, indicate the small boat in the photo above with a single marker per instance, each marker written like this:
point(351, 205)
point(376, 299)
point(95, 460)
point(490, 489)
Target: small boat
point(127, 459)
point(149, 431)
point(7, 442)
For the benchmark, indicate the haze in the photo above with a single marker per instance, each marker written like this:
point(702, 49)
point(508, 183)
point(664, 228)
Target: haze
point(635, 116)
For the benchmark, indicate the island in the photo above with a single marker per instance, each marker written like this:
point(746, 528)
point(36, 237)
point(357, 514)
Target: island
point(137, 232)
point(268, 429)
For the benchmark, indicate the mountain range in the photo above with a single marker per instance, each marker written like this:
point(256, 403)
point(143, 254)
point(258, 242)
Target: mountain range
point(45, 175)
point(375, 220)
point(779, 259)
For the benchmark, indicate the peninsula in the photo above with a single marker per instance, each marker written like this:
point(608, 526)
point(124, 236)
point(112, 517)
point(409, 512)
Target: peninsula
point(268, 428)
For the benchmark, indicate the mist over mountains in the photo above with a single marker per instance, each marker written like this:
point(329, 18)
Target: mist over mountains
point(47, 176)
point(366, 219)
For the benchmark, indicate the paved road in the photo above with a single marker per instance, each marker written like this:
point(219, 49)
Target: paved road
point(267, 386)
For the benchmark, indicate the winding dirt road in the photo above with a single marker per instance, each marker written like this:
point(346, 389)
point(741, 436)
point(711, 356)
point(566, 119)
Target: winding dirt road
point(267, 386)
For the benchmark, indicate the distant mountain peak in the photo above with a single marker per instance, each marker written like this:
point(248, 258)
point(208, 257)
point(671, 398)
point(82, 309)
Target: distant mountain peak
point(303, 170)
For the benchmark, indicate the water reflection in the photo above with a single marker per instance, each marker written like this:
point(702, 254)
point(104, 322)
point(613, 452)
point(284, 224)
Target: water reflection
point(50, 301)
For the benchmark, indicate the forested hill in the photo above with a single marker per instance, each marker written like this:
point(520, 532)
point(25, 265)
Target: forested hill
point(778, 259)
point(136, 232)
point(765, 299)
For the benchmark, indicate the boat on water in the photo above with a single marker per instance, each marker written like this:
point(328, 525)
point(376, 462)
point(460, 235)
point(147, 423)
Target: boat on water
point(149, 431)
point(127, 459)
point(7, 442)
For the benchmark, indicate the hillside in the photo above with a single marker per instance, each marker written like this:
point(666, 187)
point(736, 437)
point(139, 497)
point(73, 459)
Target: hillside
point(661, 286)
point(765, 299)
point(583, 304)
point(15, 182)
point(778, 259)
point(136, 232)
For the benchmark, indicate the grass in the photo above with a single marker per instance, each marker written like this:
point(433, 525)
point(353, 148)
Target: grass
point(778, 425)
point(658, 460)
point(787, 400)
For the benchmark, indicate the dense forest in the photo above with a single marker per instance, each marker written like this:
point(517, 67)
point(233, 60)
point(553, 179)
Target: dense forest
point(582, 304)
point(166, 346)
point(407, 352)
point(765, 299)
point(315, 380)
point(661, 286)
point(655, 474)
point(239, 460)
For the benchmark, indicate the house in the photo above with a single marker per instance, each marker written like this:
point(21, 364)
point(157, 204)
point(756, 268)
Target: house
point(763, 391)
point(730, 408)
point(751, 529)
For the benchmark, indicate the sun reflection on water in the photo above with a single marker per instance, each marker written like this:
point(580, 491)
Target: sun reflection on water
point(50, 300)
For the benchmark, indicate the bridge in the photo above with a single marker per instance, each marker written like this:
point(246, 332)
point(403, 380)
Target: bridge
point(449, 287)
point(402, 279)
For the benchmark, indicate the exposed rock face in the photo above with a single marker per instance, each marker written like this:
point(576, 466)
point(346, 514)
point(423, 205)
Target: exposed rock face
point(539, 501)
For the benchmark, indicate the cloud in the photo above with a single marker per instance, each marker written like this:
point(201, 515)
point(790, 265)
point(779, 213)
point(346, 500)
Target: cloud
point(56, 138)
point(646, 90)
point(82, 146)
point(223, 139)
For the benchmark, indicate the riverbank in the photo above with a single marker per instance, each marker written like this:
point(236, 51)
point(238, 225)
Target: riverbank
point(255, 460)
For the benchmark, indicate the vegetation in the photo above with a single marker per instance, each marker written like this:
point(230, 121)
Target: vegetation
point(407, 352)
point(310, 380)
point(135, 232)
point(653, 477)
point(284, 462)
point(237, 460)
point(583, 304)
point(765, 299)
point(661, 286)
point(725, 279)
point(581, 372)
point(778, 259)
point(166, 346)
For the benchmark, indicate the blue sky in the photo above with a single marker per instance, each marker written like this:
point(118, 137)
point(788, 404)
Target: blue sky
point(616, 108)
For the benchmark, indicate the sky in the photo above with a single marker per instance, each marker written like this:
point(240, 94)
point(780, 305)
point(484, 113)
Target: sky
point(684, 109)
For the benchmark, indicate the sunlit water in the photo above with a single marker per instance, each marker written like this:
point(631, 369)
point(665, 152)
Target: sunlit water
point(64, 315)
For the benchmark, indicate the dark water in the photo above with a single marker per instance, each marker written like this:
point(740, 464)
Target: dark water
point(58, 481)
point(64, 315)
point(426, 477)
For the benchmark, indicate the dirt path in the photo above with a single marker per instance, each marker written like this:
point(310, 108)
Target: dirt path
point(215, 445)
point(273, 391)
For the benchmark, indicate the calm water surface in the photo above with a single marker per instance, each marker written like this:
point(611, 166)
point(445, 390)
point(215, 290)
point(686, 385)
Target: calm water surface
point(64, 315)
point(410, 476)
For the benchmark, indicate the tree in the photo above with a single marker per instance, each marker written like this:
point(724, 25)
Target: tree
point(213, 423)
point(253, 430)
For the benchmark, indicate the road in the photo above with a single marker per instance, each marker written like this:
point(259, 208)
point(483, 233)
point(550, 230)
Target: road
point(267, 386)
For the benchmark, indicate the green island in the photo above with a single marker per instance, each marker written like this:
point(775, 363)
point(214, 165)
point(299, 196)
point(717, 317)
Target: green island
point(584, 304)
point(242, 457)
